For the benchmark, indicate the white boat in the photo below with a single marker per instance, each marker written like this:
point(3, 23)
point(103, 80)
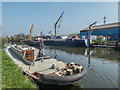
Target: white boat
point(43, 68)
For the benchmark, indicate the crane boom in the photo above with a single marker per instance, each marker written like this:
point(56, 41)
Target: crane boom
point(41, 34)
point(90, 29)
point(31, 31)
point(89, 34)
point(57, 22)
point(59, 17)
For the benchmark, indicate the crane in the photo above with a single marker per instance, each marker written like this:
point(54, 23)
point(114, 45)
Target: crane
point(59, 25)
point(41, 34)
point(90, 29)
point(89, 34)
point(51, 34)
point(57, 22)
point(31, 28)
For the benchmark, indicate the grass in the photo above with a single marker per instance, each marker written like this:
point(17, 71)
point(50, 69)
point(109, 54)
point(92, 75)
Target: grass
point(0, 68)
point(12, 76)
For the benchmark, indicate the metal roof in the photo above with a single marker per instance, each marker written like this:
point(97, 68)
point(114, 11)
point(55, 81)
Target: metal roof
point(104, 26)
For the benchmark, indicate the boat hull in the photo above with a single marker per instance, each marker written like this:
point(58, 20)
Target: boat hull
point(61, 80)
point(68, 43)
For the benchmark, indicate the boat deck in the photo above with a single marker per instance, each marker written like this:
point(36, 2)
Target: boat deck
point(42, 66)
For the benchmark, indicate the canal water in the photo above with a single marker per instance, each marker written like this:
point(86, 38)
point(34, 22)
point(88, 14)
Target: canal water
point(101, 64)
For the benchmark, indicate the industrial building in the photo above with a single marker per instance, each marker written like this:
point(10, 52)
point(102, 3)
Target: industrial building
point(111, 30)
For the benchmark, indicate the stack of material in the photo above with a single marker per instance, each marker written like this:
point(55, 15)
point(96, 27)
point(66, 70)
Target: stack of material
point(70, 65)
point(69, 71)
point(72, 68)
point(79, 69)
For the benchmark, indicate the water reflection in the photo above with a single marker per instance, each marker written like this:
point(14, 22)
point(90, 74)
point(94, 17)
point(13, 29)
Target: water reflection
point(105, 53)
point(101, 64)
point(55, 54)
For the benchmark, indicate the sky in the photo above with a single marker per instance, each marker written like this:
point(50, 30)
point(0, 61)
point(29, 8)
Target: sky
point(17, 17)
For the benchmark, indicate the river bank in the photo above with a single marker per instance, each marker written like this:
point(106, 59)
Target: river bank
point(12, 76)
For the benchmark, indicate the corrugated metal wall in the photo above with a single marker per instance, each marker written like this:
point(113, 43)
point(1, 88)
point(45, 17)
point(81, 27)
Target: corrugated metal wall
point(113, 33)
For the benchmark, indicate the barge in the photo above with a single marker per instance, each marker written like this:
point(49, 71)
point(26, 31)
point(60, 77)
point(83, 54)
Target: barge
point(34, 42)
point(67, 42)
point(48, 70)
point(59, 42)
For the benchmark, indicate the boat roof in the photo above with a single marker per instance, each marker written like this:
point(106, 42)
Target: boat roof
point(23, 47)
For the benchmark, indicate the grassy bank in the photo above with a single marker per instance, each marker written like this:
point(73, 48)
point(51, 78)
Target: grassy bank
point(12, 76)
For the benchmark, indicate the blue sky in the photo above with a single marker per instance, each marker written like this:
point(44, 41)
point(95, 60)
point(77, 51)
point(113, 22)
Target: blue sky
point(18, 16)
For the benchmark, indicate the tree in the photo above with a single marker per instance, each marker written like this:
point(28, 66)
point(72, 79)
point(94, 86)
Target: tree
point(27, 37)
point(73, 34)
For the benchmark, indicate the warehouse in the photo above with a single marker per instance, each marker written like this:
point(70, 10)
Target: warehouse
point(111, 31)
